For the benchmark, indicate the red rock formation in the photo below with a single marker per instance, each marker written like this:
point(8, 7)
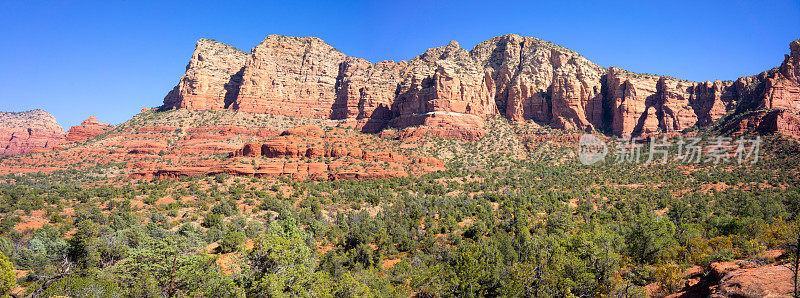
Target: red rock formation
point(365, 92)
point(144, 146)
point(212, 78)
point(183, 143)
point(538, 80)
point(442, 132)
point(782, 88)
point(449, 92)
point(738, 278)
point(24, 132)
point(203, 146)
point(297, 169)
point(288, 154)
point(765, 281)
point(766, 122)
point(712, 100)
point(88, 129)
point(290, 76)
point(643, 104)
point(312, 142)
point(443, 89)
point(770, 101)
point(631, 96)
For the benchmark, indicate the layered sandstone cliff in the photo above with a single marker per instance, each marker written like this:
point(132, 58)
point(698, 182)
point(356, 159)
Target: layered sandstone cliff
point(365, 92)
point(449, 91)
point(644, 104)
point(781, 88)
point(302, 152)
point(538, 80)
point(443, 89)
point(29, 131)
point(212, 78)
point(290, 76)
point(770, 101)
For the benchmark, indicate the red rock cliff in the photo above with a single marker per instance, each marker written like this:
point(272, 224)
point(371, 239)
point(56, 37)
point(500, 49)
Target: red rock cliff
point(450, 91)
point(290, 76)
point(24, 132)
point(643, 104)
point(212, 78)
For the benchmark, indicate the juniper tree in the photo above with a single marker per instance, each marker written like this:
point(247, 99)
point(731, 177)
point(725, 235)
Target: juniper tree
point(794, 249)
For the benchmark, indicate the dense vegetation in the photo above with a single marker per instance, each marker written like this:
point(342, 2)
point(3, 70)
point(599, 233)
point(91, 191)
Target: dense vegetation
point(516, 227)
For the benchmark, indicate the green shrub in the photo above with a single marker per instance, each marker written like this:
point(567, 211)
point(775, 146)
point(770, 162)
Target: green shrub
point(8, 280)
point(232, 242)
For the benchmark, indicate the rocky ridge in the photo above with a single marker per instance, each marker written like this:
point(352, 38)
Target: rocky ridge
point(182, 143)
point(303, 152)
point(449, 91)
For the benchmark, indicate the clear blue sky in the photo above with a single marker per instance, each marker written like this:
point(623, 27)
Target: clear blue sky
point(110, 59)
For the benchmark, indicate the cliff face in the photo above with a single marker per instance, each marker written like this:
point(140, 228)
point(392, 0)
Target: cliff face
point(449, 91)
point(782, 88)
point(366, 92)
point(770, 101)
point(643, 104)
point(29, 131)
point(535, 79)
point(445, 90)
point(212, 78)
point(290, 76)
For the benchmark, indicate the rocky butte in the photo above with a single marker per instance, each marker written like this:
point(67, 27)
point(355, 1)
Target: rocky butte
point(37, 131)
point(88, 129)
point(29, 131)
point(449, 91)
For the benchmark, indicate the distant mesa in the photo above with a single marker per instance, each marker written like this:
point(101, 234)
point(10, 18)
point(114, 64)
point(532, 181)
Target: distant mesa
point(29, 131)
point(37, 131)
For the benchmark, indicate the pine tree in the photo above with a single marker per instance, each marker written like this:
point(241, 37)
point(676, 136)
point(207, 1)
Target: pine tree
point(794, 248)
point(8, 280)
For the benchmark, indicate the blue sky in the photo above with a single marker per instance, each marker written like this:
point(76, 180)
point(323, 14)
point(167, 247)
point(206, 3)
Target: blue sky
point(112, 58)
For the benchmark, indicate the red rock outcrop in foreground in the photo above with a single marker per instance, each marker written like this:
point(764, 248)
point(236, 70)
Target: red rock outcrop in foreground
point(740, 278)
point(773, 280)
point(88, 129)
point(29, 131)
point(449, 91)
